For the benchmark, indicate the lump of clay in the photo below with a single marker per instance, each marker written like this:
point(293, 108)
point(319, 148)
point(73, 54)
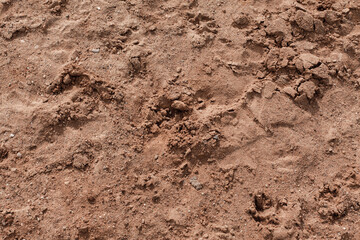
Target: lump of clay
point(278, 27)
point(278, 110)
point(241, 22)
point(286, 54)
point(197, 41)
point(179, 105)
point(272, 59)
point(321, 72)
point(331, 17)
point(269, 90)
point(319, 26)
point(290, 91)
point(281, 30)
point(279, 58)
point(308, 88)
point(304, 20)
point(306, 61)
point(281, 234)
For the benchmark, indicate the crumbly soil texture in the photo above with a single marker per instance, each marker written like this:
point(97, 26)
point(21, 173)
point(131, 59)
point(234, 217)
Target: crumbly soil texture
point(179, 119)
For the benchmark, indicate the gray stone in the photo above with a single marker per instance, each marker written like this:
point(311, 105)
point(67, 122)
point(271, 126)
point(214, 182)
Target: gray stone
point(195, 183)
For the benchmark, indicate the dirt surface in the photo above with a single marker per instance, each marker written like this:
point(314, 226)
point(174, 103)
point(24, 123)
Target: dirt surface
point(201, 119)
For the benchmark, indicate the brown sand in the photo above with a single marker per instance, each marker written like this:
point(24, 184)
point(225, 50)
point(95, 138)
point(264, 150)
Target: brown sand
point(179, 119)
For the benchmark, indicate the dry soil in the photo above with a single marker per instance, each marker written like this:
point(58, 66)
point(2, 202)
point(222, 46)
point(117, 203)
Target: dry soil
point(179, 119)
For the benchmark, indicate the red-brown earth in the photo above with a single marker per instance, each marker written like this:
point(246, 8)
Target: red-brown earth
point(196, 119)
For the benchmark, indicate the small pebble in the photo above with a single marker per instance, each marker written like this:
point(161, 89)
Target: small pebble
point(95, 50)
point(67, 79)
point(152, 28)
point(19, 155)
point(12, 135)
point(195, 183)
point(98, 8)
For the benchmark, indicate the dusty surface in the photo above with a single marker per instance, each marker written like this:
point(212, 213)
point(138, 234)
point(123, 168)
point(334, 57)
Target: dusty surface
point(202, 119)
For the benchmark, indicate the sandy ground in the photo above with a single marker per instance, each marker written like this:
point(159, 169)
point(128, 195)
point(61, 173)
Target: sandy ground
point(196, 119)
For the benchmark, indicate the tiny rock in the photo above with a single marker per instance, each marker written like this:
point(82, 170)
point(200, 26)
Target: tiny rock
point(67, 79)
point(179, 105)
point(95, 50)
point(195, 183)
